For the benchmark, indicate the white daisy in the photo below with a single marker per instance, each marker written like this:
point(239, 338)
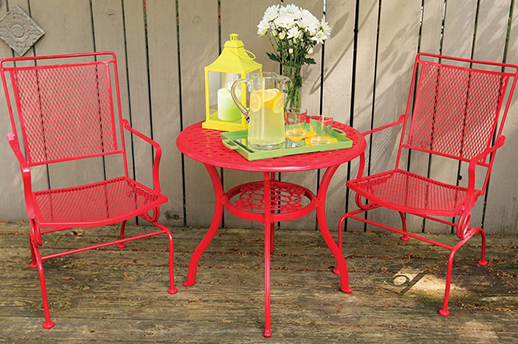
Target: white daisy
point(294, 32)
point(271, 13)
point(325, 27)
point(319, 37)
point(309, 22)
point(262, 28)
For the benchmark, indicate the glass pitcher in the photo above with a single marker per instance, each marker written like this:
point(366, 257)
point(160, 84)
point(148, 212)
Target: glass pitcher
point(265, 115)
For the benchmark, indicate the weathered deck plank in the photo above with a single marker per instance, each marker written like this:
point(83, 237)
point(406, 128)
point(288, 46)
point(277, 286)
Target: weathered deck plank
point(108, 296)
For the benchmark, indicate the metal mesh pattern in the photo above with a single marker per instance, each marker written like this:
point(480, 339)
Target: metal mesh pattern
point(65, 111)
point(411, 191)
point(95, 202)
point(456, 110)
point(285, 198)
point(205, 145)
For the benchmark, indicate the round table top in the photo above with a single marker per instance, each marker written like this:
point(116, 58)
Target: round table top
point(205, 145)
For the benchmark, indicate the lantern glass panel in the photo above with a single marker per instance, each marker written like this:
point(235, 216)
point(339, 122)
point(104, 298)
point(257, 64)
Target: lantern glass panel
point(220, 99)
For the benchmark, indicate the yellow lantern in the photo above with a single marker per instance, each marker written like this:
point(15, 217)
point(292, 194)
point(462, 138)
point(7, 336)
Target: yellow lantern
point(234, 63)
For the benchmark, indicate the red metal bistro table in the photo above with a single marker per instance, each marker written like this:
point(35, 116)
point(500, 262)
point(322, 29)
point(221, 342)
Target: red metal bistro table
point(287, 201)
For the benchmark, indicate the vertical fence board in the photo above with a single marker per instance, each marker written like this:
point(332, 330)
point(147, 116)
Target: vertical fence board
point(459, 23)
point(397, 47)
point(39, 174)
point(138, 88)
point(432, 26)
point(242, 18)
point(310, 99)
point(364, 84)
point(198, 48)
point(489, 46)
point(430, 43)
point(337, 83)
point(68, 29)
point(11, 188)
point(165, 96)
point(109, 36)
point(502, 203)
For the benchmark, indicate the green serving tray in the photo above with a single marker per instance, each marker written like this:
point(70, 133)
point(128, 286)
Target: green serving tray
point(236, 140)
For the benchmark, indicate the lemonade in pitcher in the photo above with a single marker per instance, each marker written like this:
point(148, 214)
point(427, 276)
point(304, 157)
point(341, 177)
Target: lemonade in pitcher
point(266, 129)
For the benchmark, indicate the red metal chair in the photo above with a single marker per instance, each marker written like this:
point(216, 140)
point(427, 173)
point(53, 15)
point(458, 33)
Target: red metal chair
point(66, 112)
point(456, 113)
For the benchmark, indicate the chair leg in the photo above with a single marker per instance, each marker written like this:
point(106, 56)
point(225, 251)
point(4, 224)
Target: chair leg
point(122, 244)
point(403, 221)
point(172, 289)
point(39, 263)
point(444, 310)
point(33, 264)
point(482, 260)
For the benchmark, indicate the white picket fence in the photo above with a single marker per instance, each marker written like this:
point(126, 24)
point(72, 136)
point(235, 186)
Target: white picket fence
point(362, 77)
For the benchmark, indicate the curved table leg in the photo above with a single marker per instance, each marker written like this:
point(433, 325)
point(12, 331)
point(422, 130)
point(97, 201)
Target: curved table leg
point(324, 229)
point(214, 226)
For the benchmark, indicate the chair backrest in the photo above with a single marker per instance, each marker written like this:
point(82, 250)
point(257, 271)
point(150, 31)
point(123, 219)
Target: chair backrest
point(65, 111)
point(457, 106)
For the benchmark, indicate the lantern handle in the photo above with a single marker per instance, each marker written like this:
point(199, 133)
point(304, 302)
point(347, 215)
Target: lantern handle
point(251, 54)
point(240, 106)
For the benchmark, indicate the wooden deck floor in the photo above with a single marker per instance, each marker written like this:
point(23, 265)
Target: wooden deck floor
point(113, 295)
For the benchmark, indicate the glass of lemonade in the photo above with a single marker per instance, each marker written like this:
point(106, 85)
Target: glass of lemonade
point(266, 112)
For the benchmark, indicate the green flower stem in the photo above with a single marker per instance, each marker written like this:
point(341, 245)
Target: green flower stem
point(293, 87)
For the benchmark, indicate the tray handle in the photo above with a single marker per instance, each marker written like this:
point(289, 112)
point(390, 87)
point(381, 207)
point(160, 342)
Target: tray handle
point(230, 144)
point(339, 133)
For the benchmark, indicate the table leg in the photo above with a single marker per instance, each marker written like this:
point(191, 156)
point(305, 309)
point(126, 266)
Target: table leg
point(214, 226)
point(324, 229)
point(272, 238)
point(272, 230)
point(267, 246)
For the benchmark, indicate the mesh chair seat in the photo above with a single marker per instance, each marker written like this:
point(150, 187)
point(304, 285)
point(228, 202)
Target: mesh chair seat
point(110, 201)
point(409, 192)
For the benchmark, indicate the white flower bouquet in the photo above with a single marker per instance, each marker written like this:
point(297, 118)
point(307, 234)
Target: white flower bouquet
point(293, 32)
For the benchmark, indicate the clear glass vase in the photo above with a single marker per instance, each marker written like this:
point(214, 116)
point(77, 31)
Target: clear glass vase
point(293, 88)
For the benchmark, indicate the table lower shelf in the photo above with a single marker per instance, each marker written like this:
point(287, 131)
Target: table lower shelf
point(287, 201)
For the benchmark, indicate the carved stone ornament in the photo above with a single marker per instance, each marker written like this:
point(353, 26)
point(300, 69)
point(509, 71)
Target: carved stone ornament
point(19, 31)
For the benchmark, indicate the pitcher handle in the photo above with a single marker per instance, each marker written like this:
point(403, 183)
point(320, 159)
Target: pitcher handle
point(240, 106)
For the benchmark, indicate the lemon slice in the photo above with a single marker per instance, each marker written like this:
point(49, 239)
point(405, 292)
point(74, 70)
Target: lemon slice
point(279, 104)
point(269, 95)
point(255, 102)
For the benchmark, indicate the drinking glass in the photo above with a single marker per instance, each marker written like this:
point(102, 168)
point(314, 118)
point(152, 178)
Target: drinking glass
point(321, 127)
point(295, 120)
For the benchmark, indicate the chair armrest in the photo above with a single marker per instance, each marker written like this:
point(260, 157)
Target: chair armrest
point(399, 121)
point(473, 165)
point(158, 152)
point(26, 174)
